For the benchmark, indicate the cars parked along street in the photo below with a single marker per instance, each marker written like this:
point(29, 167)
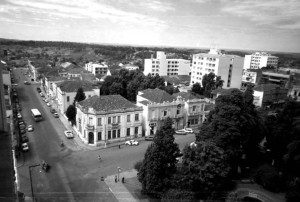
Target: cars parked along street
point(30, 128)
point(69, 134)
point(132, 143)
point(149, 138)
point(25, 147)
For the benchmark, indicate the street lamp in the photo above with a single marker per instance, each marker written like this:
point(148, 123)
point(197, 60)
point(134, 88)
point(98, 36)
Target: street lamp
point(119, 170)
point(32, 195)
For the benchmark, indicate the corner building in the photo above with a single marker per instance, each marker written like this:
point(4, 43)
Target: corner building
point(106, 119)
point(229, 67)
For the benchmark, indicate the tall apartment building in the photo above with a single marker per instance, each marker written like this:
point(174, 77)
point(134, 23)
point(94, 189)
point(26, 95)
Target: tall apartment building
point(258, 60)
point(229, 67)
point(166, 67)
point(96, 68)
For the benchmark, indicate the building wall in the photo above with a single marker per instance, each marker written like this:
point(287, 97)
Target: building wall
point(258, 98)
point(96, 68)
point(94, 128)
point(260, 59)
point(3, 122)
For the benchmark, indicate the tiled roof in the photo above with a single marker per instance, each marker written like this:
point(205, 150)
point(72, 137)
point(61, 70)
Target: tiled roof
point(223, 91)
point(157, 95)
point(88, 77)
point(145, 102)
point(107, 103)
point(177, 79)
point(66, 64)
point(77, 70)
point(73, 85)
point(188, 96)
point(56, 78)
point(265, 87)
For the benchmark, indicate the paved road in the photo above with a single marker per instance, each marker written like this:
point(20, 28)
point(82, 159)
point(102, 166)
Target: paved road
point(75, 173)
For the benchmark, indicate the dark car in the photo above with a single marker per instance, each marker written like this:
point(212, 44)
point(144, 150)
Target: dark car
point(149, 138)
point(24, 138)
point(22, 131)
point(52, 110)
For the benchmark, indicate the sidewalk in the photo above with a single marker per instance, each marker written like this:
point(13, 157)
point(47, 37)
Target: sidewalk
point(118, 188)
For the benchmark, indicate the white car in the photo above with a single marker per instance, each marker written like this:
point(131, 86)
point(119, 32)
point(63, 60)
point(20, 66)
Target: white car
point(25, 147)
point(189, 130)
point(48, 104)
point(19, 115)
point(180, 132)
point(132, 143)
point(30, 128)
point(46, 100)
point(193, 144)
point(69, 134)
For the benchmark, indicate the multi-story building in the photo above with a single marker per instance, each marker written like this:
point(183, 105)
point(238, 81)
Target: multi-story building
point(106, 119)
point(251, 76)
point(165, 67)
point(97, 68)
point(229, 67)
point(268, 95)
point(67, 90)
point(278, 78)
point(258, 60)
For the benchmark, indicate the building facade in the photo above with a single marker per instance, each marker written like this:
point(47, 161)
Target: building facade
point(258, 60)
point(96, 68)
point(105, 119)
point(165, 67)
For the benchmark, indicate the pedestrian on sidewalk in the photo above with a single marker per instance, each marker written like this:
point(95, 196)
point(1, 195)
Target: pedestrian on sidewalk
point(116, 179)
point(123, 180)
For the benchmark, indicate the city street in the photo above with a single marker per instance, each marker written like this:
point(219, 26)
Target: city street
point(75, 173)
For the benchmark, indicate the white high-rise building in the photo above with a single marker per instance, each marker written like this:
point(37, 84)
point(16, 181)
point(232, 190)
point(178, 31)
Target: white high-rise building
point(166, 67)
point(229, 67)
point(260, 59)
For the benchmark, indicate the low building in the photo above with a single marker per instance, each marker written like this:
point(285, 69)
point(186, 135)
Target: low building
point(67, 90)
point(251, 76)
point(106, 119)
point(279, 78)
point(220, 91)
point(266, 95)
point(96, 68)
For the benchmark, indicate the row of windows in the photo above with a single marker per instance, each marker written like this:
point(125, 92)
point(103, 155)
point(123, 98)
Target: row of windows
point(153, 70)
point(157, 66)
point(153, 62)
point(194, 77)
point(172, 70)
point(208, 59)
point(172, 62)
point(114, 119)
point(172, 66)
point(172, 74)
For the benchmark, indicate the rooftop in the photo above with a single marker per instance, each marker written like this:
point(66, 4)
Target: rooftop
point(223, 91)
point(107, 103)
point(177, 79)
point(188, 95)
point(265, 87)
point(156, 95)
point(73, 85)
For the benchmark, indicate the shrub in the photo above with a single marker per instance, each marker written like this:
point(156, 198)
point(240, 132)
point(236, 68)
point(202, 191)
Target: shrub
point(138, 165)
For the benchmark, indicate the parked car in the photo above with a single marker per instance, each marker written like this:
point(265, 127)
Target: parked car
point(25, 147)
point(24, 138)
point(22, 131)
point(132, 143)
point(22, 126)
point(26, 83)
point(181, 132)
point(42, 94)
point(189, 130)
point(52, 110)
point(19, 115)
point(149, 138)
point(55, 115)
point(30, 128)
point(193, 144)
point(69, 134)
point(48, 104)
point(46, 100)
point(38, 90)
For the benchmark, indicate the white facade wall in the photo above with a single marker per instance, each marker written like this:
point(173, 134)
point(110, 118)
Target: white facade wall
point(165, 67)
point(96, 68)
point(94, 129)
point(258, 98)
point(229, 67)
point(260, 59)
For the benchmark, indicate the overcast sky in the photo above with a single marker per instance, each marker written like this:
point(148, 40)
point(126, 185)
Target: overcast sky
point(271, 25)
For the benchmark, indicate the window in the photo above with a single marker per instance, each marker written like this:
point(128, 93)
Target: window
point(118, 133)
point(99, 136)
point(109, 120)
point(114, 119)
point(128, 132)
point(90, 121)
point(109, 135)
point(128, 118)
point(178, 111)
point(136, 117)
point(165, 113)
point(99, 121)
point(114, 134)
point(194, 108)
point(68, 99)
point(136, 130)
point(119, 119)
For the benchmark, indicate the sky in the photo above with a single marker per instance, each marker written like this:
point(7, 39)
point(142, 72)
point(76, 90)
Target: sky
point(263, 25)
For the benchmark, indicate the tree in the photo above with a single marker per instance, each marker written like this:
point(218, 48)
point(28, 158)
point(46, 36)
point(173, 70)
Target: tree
point(209, 83)
point(80, 95)
point(116, 89)
point(196, 88)
point(159, 163)
point(219, 83)
point(204, 169)
point(71, 113)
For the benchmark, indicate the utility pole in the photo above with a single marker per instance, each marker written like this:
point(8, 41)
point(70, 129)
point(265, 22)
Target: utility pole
point(32, 166)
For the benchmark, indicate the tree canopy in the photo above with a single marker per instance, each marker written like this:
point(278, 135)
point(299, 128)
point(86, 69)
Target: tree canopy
point(80, 95)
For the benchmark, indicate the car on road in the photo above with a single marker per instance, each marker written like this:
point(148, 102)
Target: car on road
point(132, 143)
point(149, 138)
point(26, 82)
point(52, 110)
point(30, 128)
point(48, 104)
point(69, 134)
point(38, 89)
point(42, 94)
point(180, 132)
point(24, 138)
point(55, 115)
point(19, 115)
point(25, 147)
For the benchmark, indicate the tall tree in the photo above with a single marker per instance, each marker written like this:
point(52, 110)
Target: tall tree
point(71, 113)
point(208, 84)
point(159, 163)
point(197, 89)
point(80, 95)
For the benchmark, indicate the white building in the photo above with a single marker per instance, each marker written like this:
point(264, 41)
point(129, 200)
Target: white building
point(258, 60)
point(229, 67)
point(165, 67)
point(97, 68)
point(67, 90)
point(106, 119)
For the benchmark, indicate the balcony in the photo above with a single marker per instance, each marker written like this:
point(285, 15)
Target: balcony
point(89, 127)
